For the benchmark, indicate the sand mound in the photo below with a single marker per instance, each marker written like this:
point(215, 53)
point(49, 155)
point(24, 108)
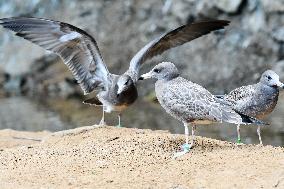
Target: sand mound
point(111, 157)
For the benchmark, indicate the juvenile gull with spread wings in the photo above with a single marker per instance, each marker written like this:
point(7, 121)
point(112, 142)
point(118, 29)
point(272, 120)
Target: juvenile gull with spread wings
point(81, 54)
point(189, 102)
point(257, 100)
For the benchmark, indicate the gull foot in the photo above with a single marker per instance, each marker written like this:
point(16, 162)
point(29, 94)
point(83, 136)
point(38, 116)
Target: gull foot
point(185, 149)
point(239, 141)
point(102, 123)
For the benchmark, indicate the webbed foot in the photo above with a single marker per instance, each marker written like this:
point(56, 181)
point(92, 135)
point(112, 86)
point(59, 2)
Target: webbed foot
point(185, 149)
point(239, 141)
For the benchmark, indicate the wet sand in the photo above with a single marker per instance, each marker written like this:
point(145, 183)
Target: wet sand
point(110, 157)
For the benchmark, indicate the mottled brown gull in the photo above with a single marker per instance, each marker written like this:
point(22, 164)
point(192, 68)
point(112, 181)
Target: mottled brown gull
point(189, 102)
point(81, 54)
point(257, 100)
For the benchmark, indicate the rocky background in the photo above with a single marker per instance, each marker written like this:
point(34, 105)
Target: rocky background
point(220, 61)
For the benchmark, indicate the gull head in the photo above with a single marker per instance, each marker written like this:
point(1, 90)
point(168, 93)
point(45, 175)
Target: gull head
point(162, 71)
point(271, 79)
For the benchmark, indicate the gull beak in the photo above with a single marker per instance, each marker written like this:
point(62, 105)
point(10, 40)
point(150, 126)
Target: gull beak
point(281, 85)
point(119, 90)
point(145, 76)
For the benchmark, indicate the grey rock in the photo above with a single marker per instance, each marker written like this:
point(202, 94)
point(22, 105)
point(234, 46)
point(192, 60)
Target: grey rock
point(279, 68)
point(249, 46)
point(167, 5)
point(273, 6)
point(206, 9)
point(256, 21)
point(181, 10)
point(233, 41)
point(261, 45)
point(2, 77)
point(253, 4)
point(228, 6)
point(278, 34)
point(12, 86)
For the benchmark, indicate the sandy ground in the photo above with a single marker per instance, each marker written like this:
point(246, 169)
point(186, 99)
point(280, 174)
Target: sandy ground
point(111, 157)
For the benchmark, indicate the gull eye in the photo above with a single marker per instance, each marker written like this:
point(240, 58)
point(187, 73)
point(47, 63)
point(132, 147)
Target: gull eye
point(156, 70)
point(269, 78)
point(126, 83)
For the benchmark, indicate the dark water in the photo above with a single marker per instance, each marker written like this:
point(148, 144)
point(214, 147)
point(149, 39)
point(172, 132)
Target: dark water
point(22, 113)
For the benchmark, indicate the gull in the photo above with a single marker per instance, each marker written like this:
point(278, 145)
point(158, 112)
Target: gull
point(80, 52)
point(257, 100)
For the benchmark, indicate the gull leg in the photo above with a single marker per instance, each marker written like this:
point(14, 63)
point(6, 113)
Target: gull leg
point(102, 122)
point(119, 120)
point(186, 133)
point(186, 146)
point(239, 134)
point(259, 136)
point(193, 128)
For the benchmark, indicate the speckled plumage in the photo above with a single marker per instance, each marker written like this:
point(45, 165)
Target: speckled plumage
point(189, 102)
point(257, 100)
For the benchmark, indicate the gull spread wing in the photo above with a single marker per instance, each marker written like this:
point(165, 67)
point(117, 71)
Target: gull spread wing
point(77, 48)
point(171, 39)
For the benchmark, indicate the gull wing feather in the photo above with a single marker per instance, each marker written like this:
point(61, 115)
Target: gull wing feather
point(76, 47)
point(171, 39)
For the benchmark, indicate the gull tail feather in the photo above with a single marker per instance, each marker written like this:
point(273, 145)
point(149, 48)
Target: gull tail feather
point(251, 120)
point(231, 116)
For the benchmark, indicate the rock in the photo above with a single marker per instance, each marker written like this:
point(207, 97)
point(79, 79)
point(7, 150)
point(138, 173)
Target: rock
point(256, 21)
point(228, 6)
point(273, 6)
point(252, 4)
point(206, 9)
point(13, 84)
point(233, 40)
point(261, 45)
point(166, 7)
point(10, 7)
point(278, 34)
point(2, 78)
point(121, 28)
point(278, 67)
point(65, 89)
point(181, 10)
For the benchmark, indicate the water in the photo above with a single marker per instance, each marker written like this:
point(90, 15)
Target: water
point(21, 113)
